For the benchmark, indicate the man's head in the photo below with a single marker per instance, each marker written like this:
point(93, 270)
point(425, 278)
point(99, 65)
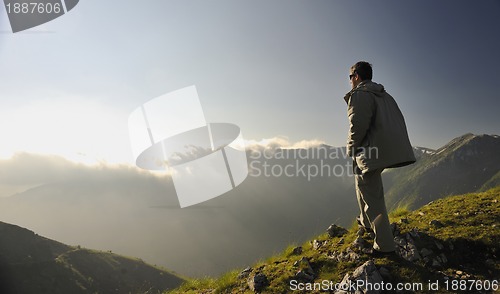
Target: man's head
point(361, 71)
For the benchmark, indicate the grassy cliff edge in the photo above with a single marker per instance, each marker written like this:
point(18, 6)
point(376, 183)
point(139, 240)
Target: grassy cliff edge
point(457, 240)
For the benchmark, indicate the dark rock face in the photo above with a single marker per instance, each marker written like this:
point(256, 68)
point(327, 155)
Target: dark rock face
point(258, 282)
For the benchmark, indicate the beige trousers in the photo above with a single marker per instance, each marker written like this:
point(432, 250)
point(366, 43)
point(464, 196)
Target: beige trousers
point(370, 194)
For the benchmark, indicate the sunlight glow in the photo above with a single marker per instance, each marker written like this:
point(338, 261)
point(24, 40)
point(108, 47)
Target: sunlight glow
point(72, 127)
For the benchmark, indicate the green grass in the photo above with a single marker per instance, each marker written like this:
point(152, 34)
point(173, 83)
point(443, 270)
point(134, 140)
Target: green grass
point(399, 212)
point(209, 285)
point(471, 216)
point(471, 226)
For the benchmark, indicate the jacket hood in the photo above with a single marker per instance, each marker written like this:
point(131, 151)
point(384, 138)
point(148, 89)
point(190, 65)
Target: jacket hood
point(367, 86)
point(371, 87)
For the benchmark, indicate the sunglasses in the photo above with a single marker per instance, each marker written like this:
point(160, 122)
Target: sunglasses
point(351, 75)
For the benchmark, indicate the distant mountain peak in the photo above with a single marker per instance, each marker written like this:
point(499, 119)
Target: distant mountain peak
point(469, 139)
point(465, 164)
point(420, 151)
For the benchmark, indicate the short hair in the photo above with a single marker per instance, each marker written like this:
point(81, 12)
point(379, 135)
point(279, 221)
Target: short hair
point(363, 69)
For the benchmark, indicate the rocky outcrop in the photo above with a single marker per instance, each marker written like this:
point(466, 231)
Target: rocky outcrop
point(258, 282)
point(366, 274)
point(336, 231)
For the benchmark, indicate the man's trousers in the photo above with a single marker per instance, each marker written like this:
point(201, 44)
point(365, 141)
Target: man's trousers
point(370, 194)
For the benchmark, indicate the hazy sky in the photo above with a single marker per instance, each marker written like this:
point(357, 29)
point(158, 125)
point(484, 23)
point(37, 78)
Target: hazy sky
point(274, 68)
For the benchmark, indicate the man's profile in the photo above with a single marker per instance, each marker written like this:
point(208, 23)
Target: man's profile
point(377, 139)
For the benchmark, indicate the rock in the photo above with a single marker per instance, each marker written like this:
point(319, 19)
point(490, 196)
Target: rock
point(443, 258)
point(297, 250)
point(435, 263)
point(414, 233)
point(400, 241)
point(367, 250)
point(367, 273)
point(304, 265)
point(406, 248)
point(245, 273)
point(348, 255)
point(303, 275)
point(436, 223)
point(336, 231)
point(439, 245)
point(317, 244)
point(361, 232)
point(395, 229)
point(421, 213)
point(301, 261)
point(344, 286)
point(258, 282)
point(333, 255)
point(426, 252)
point(404, 221)
point(360, 243)
point(384, 272)
point(461, 275)
point(304, 261)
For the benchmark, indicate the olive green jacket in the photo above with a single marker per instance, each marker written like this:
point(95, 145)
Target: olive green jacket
point(377, 131)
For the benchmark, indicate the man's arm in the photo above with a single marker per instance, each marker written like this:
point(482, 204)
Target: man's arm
point(360, 108)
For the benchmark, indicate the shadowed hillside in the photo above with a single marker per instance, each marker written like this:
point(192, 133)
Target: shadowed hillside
point(33, 264)
point(463, 165)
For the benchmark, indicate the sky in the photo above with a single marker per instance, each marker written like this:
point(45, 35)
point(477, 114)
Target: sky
point(277, 69)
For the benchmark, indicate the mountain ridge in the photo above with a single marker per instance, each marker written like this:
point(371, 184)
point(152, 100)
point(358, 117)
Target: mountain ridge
point(463, 165)
point(30, 263)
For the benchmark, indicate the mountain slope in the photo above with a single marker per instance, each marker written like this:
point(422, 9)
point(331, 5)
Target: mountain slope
point(75, 208)
point(452, 239)
point(295, 193)
point(463, 165)
point(33, 264)
point(493, 182)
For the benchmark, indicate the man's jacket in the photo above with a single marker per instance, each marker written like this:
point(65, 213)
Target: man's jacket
point(377, 131)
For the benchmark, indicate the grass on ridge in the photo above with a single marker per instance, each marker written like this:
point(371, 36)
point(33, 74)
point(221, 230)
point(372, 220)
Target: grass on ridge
point(470, 224)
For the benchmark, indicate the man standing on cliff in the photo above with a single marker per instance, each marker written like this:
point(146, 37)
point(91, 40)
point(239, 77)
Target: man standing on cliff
point(377, 139)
